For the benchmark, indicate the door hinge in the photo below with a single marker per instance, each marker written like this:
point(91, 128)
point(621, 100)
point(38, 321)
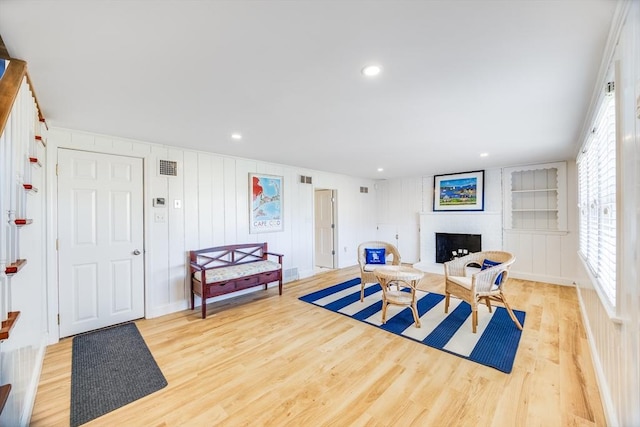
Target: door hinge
point(333, 252)
point(58, 319)
point(333, 226)
point(57, 246)
point(56, 169)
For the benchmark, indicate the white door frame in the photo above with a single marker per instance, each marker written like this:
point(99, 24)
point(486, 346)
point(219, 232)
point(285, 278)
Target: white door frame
point(122, 268)
point(52, 227)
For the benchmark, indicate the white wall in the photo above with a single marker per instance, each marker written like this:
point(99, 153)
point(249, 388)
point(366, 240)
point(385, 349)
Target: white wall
point(398, 203)
point(214, 192)
point(614, 333)
point(406, 205)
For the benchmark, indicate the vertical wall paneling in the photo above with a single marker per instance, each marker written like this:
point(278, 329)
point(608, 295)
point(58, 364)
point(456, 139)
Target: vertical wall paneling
point(614, 338)
point(398, 203)
point(536, 221)
point(219, 184)
point(190, 201)
point(177, 255)
point(205, 201)
point(300, 230)
point(239, 200)
point(159, 231)
point(214, 192)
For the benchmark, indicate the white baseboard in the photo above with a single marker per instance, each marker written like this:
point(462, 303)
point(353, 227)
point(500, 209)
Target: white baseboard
point(554, 280)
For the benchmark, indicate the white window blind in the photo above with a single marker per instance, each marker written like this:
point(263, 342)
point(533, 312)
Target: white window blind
point(597, 199)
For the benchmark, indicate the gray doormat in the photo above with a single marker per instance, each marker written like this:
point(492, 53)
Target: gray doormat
point(110, 368)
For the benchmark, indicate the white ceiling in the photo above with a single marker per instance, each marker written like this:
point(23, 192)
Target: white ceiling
point(512, 78)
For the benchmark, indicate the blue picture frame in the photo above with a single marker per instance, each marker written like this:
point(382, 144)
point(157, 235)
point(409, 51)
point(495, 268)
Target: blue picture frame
point(462, 191)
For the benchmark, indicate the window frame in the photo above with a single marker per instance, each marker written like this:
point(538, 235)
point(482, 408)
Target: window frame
point(598, 203)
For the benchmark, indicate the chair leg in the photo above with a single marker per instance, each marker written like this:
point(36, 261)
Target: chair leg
point(361, 291)
point(414, 309)
point(384, 311)
point(474, 319)
point(446, 302)
point(511, 313)
point(488, 302)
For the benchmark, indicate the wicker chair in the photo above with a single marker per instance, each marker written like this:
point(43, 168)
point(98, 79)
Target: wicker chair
point(484, 285)
point(366, 270)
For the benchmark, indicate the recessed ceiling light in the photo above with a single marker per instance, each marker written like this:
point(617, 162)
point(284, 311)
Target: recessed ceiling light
point(484, 154)
point(371, 70)
point(236, 136)
point(380, 170)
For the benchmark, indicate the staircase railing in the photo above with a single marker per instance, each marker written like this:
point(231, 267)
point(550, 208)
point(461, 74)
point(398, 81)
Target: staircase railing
point(21, 141)
point(10, 84)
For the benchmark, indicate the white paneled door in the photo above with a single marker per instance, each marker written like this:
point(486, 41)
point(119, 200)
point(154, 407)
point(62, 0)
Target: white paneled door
point(100, 240)
point(324, 228)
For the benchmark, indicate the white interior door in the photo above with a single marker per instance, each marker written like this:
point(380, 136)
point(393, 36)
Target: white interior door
point(324, 228)
point(100, 240)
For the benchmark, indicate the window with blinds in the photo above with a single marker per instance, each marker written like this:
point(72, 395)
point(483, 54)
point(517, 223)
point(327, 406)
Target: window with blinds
point(597, 199)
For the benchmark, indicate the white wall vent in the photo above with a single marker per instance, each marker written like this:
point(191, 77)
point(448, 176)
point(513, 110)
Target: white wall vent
point(290, 275)
point(364, 189)
point(305, 179)
point(168, 168)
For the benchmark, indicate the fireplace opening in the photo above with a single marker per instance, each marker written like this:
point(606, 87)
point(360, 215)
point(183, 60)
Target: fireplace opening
point(453, 245)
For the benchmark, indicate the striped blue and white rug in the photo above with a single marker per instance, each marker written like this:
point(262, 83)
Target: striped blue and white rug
point(495, 343)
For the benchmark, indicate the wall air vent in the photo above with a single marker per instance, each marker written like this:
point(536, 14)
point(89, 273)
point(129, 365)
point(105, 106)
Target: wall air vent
point(364, 189)
point(168, 168)
point(305, 179)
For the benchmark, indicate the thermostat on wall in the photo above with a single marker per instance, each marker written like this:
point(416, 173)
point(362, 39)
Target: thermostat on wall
point(158, 202)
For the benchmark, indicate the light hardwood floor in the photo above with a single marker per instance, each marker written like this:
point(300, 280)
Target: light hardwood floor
point(269, 360)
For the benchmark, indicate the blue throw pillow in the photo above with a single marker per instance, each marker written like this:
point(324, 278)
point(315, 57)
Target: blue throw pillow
point(487, 263)
point(375, 256)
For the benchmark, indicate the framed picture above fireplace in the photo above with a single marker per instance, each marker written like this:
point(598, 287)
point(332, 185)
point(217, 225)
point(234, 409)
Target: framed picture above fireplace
point(459, 191)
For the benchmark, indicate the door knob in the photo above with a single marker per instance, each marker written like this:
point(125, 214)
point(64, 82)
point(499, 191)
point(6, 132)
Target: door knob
point(136, 252)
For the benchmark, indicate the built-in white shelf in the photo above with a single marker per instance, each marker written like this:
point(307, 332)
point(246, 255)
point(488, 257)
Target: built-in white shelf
point(535, 197)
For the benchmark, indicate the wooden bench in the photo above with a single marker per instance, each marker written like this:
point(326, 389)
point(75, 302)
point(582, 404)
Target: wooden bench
point(225, 269)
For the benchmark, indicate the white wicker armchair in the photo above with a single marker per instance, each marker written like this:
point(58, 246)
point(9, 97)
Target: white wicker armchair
point(486, 285)
point(392, 257)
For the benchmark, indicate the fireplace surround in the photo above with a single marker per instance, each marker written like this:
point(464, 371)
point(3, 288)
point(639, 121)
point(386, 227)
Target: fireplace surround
point(488, 224)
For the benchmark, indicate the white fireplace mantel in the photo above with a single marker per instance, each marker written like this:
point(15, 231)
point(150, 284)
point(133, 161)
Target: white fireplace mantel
point(486, 223)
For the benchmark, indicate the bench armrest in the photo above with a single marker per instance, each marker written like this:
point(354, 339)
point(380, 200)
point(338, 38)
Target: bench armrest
point(276, 255)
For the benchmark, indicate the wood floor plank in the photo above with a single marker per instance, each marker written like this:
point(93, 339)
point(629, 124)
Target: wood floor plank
point(263, 360)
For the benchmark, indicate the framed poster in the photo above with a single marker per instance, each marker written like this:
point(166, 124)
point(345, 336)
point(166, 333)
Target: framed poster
point(265, 210)
point(459, 191)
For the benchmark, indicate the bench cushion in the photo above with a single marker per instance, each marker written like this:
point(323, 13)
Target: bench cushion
point(223, 274)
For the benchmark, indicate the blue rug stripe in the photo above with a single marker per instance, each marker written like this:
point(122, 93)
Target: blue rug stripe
point(368, 312)
point(495, 346)
point(449, 326)
point(344, 301)
point(328, 291)
point(398, 323)
point(404, 319)
point(427, 302)
point(492, 352)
